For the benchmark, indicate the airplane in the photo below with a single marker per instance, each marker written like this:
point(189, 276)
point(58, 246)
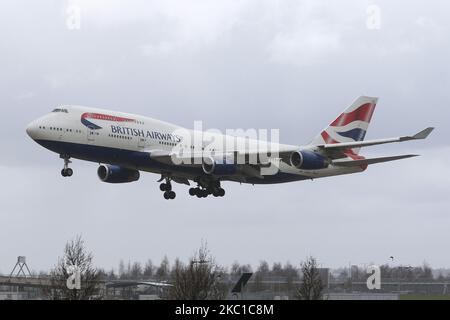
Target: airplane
point(124, 144)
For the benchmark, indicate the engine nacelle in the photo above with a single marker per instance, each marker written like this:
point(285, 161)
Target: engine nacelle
point(308, 160)
point(116, 174)
point(222, 165)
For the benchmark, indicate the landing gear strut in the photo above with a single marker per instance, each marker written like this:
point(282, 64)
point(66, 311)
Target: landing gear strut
point(167, 189)
point(66, 171)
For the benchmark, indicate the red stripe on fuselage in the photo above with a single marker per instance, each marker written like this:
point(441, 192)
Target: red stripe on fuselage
point(362, 113)
point(99, 116)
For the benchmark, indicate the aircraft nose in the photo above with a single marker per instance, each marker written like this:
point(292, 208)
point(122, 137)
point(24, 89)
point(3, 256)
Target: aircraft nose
point(31, 129)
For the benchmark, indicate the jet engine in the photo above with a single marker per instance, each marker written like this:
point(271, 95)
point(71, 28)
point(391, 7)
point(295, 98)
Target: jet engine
point(219, 165)
point(116, 174)
point(308, 160)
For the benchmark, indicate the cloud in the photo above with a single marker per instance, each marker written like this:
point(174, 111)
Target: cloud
point(314, 32)
point(304, 47)
point(169, 25)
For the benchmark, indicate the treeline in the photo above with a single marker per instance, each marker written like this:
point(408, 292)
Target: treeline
point(138, 271)
point(393, 273)
point(163, 271)
point(286, 272)
point(200, 277)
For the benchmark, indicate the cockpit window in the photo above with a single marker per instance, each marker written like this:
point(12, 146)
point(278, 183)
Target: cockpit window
point(60, 110)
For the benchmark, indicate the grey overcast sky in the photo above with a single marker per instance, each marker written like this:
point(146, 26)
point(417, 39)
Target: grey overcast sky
point(292, 65)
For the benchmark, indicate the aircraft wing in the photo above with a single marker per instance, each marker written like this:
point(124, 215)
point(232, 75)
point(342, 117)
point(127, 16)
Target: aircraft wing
point(196, 159)
point(349, 145)
point(172, 157)
point(250, 168)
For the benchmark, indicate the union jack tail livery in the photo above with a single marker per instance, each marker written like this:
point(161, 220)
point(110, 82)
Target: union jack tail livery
point(351, 125)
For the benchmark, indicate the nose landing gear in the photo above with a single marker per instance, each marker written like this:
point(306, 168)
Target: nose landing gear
point(66, 171)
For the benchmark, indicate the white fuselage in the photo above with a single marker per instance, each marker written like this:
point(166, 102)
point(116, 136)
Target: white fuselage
point(130, 140)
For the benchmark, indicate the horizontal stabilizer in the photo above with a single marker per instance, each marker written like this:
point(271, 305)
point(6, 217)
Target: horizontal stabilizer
point(351, 163)
point(346, 145)
point(423, 134)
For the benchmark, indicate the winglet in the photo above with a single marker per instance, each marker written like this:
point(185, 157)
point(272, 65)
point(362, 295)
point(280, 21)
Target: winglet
point(423, 134)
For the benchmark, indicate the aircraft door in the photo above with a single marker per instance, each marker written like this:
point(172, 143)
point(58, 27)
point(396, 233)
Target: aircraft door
point(141, 142)
point(91, 135)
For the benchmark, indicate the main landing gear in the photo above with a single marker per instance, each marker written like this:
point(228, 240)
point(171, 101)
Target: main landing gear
point(204, 191)
point(167, 189)
point(66, 171)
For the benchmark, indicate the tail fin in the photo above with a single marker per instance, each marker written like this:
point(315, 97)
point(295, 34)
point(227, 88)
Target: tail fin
point(351, 125)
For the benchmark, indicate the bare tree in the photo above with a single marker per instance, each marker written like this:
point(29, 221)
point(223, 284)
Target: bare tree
point(128, 272)
point(198, 280)
point(262, 271)
point(102, 274)
point(122, 269)
point(311, 287)
point(136, 271)
point(149, 269)
point(277, 268)
point(112, 275)
point(162, 272)
point(238, 269)
point(77, 258)
point(263, 268)
point(291, 274)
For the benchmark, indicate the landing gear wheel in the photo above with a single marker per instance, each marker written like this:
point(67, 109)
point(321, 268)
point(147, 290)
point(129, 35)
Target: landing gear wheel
point(169, 195)
point(221, 192)
point(165, 186)
point(69, 172)
point(192, 191)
